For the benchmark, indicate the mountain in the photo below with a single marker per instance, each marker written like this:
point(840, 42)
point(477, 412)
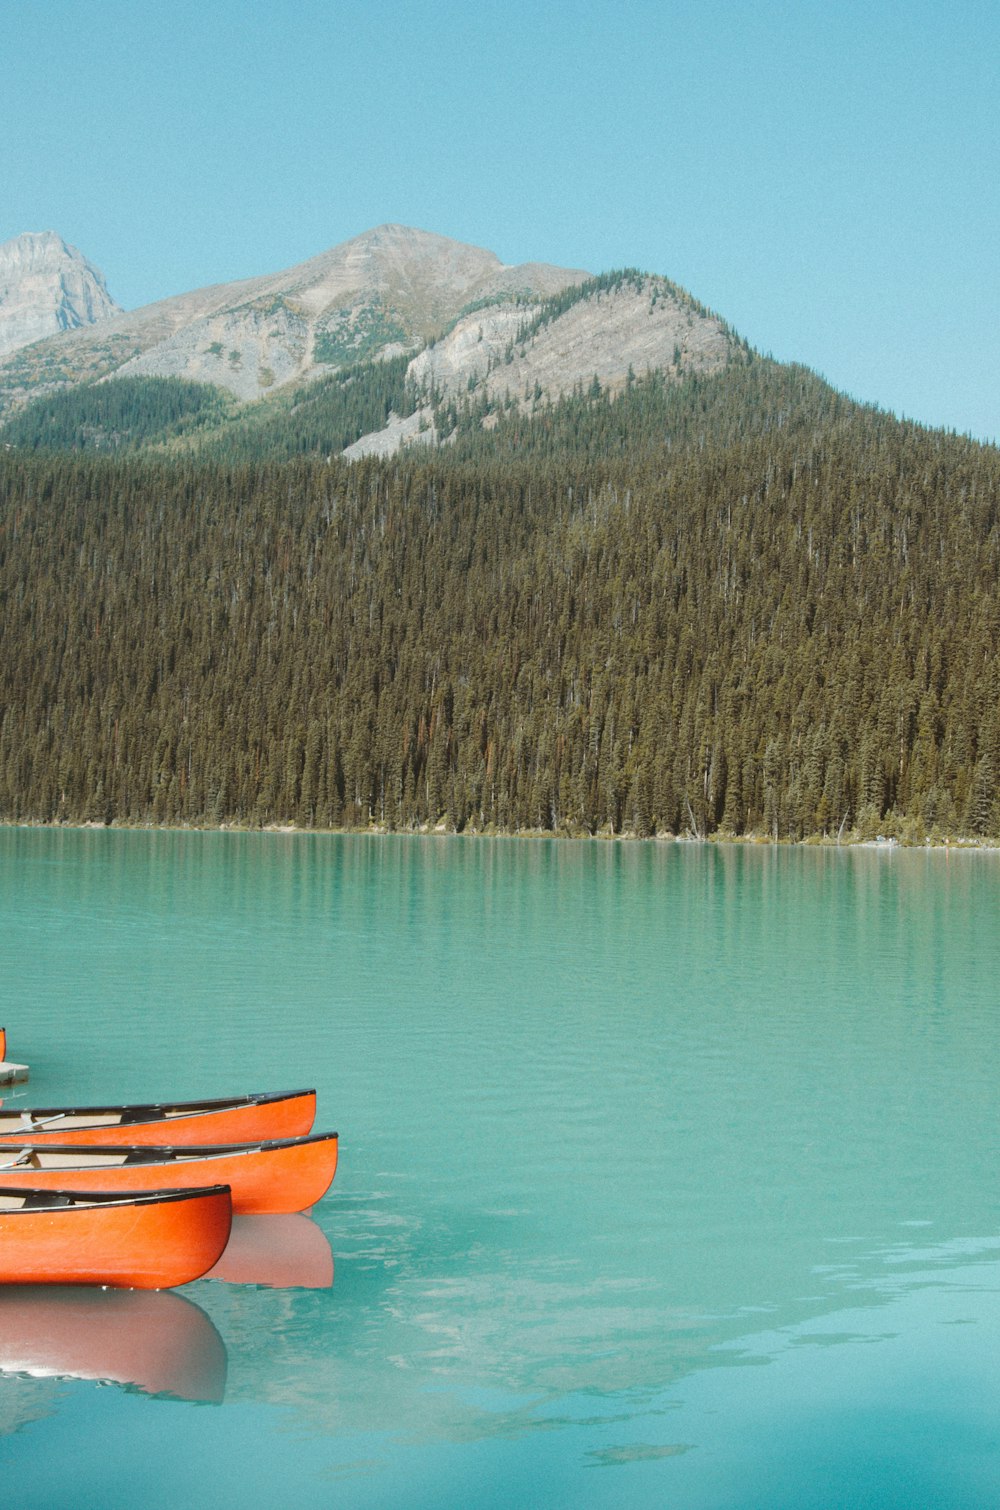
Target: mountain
point(378, 294)
point(47, 286)
point(449, 320)
point(630, 576)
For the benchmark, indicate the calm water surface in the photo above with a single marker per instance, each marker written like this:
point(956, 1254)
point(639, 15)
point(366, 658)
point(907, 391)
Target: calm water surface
point(668, 1173)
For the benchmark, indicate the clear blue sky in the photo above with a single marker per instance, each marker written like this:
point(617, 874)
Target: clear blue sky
point(824, 175)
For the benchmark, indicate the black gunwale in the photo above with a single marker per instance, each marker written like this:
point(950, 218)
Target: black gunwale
point(66, 1200)
point(153, 1111)
point(153, 1153)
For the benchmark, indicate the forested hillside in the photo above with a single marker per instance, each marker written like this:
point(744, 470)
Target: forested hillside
point(169, 415)
point(126, 415)
point(759, 609)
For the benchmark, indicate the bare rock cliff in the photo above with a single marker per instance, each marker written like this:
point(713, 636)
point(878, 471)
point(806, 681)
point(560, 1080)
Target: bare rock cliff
point(47, 286)
point(641, 325)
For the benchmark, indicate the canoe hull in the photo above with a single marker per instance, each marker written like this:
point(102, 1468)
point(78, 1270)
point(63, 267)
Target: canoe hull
point(144, 1244)
point(245, 1119)
point(264, 1178)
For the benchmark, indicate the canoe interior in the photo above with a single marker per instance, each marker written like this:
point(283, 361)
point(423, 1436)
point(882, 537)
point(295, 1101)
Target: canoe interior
point(50, 1156)
point(58, 1200)
point(66, 1118)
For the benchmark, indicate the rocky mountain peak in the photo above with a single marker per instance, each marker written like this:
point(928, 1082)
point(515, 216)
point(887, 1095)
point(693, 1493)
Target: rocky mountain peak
point(468, 323)
point(47, 286)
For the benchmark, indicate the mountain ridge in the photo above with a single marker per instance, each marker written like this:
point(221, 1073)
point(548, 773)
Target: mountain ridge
point(524, 333)
point(386, 290)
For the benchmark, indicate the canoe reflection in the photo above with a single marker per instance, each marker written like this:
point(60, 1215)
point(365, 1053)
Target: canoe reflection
point(282, 1252)
point(154, 1340)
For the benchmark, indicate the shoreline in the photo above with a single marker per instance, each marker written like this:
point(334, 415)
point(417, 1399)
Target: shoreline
point(963, 843)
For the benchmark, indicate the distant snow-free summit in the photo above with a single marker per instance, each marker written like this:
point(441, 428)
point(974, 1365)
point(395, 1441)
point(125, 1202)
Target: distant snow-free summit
point(47, 286)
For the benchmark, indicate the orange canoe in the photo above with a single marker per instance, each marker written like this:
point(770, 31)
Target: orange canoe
point(286, 1175)
point(3, 1044)
point(241, 1119)
point(144, 1241)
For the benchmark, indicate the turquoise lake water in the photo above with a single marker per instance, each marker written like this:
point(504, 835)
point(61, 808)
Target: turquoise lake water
point(669, 1173)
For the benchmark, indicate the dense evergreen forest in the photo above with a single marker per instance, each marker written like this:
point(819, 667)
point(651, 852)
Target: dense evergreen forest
point(733, 605)
point(180, 418)
point(121, 416)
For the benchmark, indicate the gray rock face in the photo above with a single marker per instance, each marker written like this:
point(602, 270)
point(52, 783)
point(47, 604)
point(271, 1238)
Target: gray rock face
point(641, 326)
point(47, 286)
point(380, 294)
